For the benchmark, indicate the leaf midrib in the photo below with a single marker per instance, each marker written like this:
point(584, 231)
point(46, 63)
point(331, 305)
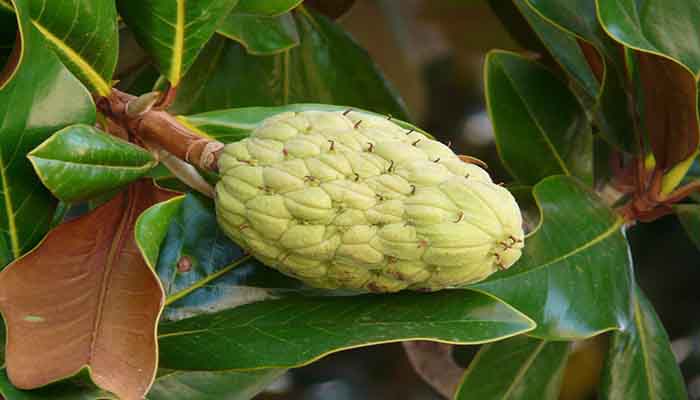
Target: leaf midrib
point(95, 79)
point(540, 129)
point(523, 369)
point(643, 345)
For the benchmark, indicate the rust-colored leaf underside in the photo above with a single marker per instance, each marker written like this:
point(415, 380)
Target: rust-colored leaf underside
point(670, 105)
point(86, 298)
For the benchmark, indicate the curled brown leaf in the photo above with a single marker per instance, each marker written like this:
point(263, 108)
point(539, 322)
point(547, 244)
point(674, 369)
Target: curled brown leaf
point(85, 298)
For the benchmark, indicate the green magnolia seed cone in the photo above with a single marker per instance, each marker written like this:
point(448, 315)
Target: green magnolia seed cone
point(353, 200)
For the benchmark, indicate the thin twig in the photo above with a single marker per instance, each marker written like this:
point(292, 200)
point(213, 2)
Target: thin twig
point(433, 362)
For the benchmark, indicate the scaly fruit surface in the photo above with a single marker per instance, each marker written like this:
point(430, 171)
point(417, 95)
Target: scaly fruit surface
point(353, 200)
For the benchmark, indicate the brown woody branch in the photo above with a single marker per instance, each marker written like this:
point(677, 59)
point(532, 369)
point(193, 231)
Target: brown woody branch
point(156, 128)
point(433, 362)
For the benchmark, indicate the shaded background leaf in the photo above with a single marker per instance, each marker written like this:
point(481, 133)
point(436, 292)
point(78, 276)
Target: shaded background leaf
point(326, 67)
point(517, 368)
point(330, 8)
point(207, 385)
point(261, 35)
point(266, 8)
point(689, 216)
point(536, 137)
point(578, 18)
point(173, 32)
point(640, 362)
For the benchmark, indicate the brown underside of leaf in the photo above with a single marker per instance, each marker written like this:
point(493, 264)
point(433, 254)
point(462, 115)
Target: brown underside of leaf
point(433, 362)
point(670, 105)
point(86, 298)
point(12, 61)
point(595, 60)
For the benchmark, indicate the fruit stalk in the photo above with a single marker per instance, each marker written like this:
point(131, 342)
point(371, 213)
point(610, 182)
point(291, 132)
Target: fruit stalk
point(154, 127)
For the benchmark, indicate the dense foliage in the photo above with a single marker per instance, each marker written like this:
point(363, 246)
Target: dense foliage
point(118, 283)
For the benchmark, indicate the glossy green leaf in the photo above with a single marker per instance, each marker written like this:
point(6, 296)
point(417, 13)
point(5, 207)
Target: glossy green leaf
point(667, 64)
point(578, 19)
point(261, 35)
point(80, 162)
point(573, 278)
point(237, 123)
point(564, 48)
point(219, 274)
point(645, 25)
point(536, 137)
point(84, 34)
point(33, 105)
point(298, 330)
point(76, 388)
point(520, 368)
point(327, 67)
point(640, 362)
point(209, 385)
point(268, 7)
point(689, 216)
point(174, 32)
point(577, 16)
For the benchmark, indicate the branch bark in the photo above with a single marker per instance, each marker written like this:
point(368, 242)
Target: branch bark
point(433, 362)
point(159, 129)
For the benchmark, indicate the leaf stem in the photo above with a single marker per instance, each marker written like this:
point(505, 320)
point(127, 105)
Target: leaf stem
point(158, 128)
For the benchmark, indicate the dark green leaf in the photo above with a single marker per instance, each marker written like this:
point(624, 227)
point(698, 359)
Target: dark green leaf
point(84, 34)
point(39, 97)
point(76, 388)
point(174, 32)
point(330, 8)
point(139, 81)
point(640, 362)
point(578, 19)
point(689, 216)
point(564, 47)
point(573, 278)
point(298, 330)
point(528, 207)
point(645, 26)
point(80, 162)
point(536, 137)
point(267, 8)
point(261, 35)
point(209, 385)
point(519, 368)
point(326, 67)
